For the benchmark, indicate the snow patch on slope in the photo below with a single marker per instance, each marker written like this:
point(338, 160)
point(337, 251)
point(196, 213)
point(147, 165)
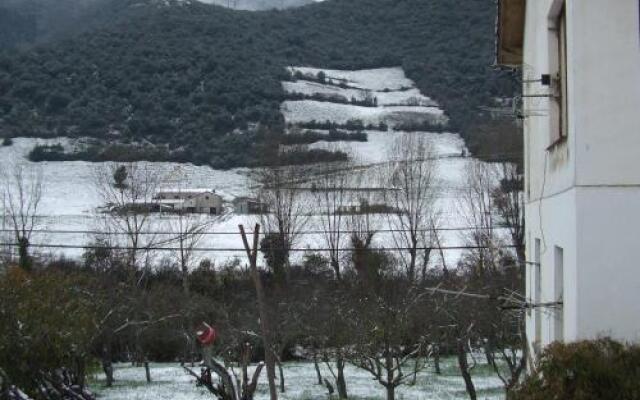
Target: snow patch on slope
point(297, 111)
point(378, 79)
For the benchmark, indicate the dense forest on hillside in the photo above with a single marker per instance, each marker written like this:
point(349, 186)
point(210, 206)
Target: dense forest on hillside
point(191, 77)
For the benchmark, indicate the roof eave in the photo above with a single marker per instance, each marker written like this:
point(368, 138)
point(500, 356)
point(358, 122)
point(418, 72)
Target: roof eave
point(510, 32)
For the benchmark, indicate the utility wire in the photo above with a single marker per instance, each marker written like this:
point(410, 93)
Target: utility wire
point(238, 249)
point(227, 233)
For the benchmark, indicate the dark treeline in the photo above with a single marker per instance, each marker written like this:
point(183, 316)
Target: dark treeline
point(334, 135)
point(187, 75)
point(351, 125)
point(334, 98)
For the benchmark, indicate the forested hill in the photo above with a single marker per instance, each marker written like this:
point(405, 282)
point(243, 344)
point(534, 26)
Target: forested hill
point(186, 74)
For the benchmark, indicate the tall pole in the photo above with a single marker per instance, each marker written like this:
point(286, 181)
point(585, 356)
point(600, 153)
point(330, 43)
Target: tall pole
point(252, 254)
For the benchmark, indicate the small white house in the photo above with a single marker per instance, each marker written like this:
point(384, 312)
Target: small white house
point(189, 200)
point(580, 61)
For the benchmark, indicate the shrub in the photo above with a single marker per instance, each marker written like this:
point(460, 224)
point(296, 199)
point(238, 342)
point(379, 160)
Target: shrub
point(600, 370)
point(7, 141)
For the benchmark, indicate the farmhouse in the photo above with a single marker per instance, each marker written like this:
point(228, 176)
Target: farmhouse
point(248, 205)
point(189, 200)
point(580, 62)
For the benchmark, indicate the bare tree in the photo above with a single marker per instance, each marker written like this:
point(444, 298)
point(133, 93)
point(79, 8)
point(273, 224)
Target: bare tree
point(331, 191)
point(126, 191)
point(412, 174)
point(265, 320)
point(389, 343)
point(230, 386)
point(190, 229)
point(286, 209)
point(506, 348)
point(362, 226)
point(22, 194)
point(477, 208)
point(508, 199)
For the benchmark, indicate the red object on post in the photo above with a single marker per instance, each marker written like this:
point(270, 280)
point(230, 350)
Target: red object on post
point(206, 334)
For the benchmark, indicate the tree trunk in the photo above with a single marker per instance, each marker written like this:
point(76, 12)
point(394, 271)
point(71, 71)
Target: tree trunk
point(107, 367)
point(391, 392)
point(80, 371)
point(464, 369)
point(388, 365)
point(281, 372)
point(23, 253)
point(436, 359)
point(335, 264)
point(340, 381)
point(147, 371)
point(317, 367)
point(416, 365)
point(413, 256)
point(252, 253)
point(488, 353)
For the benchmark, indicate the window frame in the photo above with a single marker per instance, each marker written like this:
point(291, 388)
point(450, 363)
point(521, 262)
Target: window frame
point(558, 65)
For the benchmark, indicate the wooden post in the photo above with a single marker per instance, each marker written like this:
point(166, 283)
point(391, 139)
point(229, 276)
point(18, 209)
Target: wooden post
point(252, 254)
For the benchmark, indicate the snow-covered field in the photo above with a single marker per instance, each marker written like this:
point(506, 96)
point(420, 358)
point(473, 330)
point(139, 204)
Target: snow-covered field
point(378, 79)
point(389, 98)
point(70, 199)
point(313, 110)
point(171, 382)
point(396, 98)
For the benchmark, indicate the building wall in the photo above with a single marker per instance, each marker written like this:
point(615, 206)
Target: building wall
point(608, 264)
point(583, 195)
point(605, 90)
point(553, 224)
point(204, 202)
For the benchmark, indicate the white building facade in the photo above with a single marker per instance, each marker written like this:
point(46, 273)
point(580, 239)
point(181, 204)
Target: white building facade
point(580, 61)
point(204, 201)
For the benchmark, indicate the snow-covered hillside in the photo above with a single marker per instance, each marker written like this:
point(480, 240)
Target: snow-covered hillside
point(70, 201)
point(392, 98)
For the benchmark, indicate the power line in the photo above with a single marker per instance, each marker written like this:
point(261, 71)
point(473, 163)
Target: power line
point(228, 233)
point(238, 249)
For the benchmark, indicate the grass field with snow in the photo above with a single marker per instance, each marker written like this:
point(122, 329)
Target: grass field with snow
point(171, 382)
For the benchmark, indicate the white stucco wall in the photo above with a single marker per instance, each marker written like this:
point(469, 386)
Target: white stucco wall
point(605, 91)
point(608, 266)
point(584, 194)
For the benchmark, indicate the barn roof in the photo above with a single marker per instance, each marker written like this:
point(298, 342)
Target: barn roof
point(510, 32)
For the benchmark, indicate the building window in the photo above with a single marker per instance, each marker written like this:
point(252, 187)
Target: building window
point(558, 288)
point(537, 296)
point(560, 120)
